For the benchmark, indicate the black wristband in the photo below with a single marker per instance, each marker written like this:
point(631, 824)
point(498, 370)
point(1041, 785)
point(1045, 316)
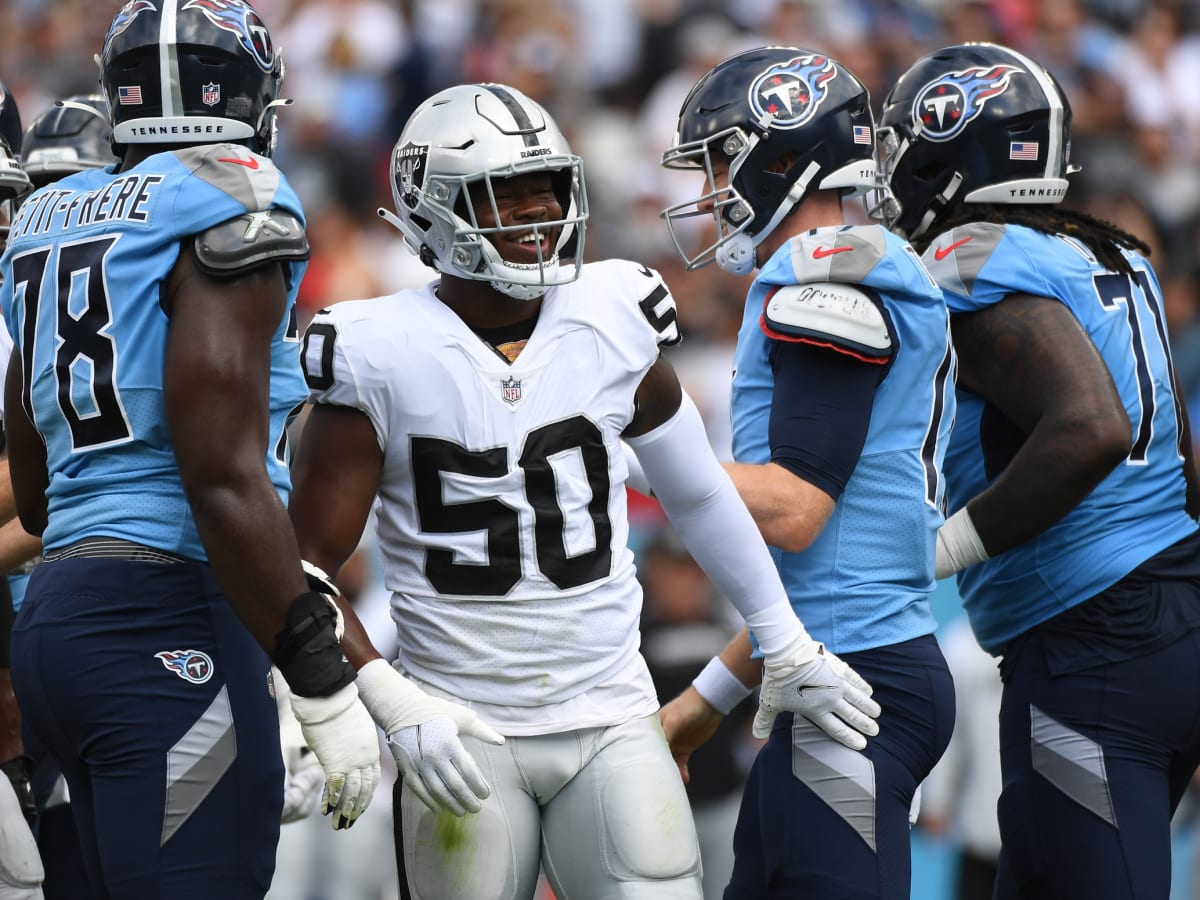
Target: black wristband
point(307, 650)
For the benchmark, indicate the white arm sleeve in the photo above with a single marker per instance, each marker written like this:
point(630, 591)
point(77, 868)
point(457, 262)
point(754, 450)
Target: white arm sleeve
point(699, 498)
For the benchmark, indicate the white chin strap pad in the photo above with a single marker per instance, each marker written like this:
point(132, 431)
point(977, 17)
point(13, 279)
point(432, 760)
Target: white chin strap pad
point(736, 255)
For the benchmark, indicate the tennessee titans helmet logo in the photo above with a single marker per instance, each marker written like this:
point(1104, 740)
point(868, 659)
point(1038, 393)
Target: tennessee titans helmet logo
point(236, 17)
point(190, 665)
point(124, 18)
point(945, 106)
point(790, 93)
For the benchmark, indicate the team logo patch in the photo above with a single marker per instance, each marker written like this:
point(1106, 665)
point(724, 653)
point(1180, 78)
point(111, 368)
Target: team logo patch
point(945, 106)
point(124, 19)
point(239, 19)
point(790, 93)
point(190, 665)
point(210, 94)
point(510, 391)
point(408, 171)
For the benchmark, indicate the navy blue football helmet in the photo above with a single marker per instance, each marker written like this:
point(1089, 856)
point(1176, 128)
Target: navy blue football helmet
point(13, 181)
point(971, 123)
point(191, 72)
point(71, 136)
point(787, 121)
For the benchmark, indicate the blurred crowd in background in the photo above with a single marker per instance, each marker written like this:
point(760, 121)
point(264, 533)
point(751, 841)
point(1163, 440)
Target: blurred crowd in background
point(614, 73)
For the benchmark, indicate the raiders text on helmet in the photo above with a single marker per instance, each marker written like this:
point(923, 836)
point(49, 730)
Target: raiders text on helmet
point(456, 145)
point(191, 72)
point(788, 121)
point(971, 123)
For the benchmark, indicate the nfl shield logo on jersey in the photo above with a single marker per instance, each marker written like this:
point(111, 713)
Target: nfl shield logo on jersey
point(212, 94)
point(510, 390)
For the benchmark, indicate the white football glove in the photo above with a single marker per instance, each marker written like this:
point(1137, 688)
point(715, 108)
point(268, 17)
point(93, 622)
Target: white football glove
point(809, 681)
point(423, 733)
point(303, 776)
point(341, 733)
point(21, 872)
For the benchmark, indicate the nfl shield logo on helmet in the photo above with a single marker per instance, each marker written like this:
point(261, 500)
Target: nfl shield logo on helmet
point(195, 666)
point(510, 391)
point(211, 94)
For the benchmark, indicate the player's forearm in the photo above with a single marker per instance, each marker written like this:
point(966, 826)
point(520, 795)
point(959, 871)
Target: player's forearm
point(17, 546)
point(789, 512)
point(252, 551)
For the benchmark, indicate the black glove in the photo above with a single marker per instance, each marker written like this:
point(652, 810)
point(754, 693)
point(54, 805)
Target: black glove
point(19, 770)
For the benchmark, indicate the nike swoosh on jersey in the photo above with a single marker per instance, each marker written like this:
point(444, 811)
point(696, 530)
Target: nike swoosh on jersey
point(250, 163)
point(942, 252)
point(822, 252)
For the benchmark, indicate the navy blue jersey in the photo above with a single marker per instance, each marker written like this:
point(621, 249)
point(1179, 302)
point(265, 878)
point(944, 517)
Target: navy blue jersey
point(864, 582)
point(1138, 510)
point(87, 261)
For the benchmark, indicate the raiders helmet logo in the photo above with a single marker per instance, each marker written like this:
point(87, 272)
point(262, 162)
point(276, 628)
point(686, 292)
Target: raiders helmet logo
point(945, 106)
point(790, 93)
point(408, 171)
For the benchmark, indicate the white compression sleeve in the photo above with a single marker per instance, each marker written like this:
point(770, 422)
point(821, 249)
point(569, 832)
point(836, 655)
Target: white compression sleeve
point(715, 526)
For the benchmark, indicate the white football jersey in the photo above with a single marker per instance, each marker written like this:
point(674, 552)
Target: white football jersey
point(501, 513)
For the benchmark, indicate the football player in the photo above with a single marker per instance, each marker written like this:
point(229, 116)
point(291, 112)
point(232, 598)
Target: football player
point(21, 869)
point(1070, 475)
point(486, 411)
point(155, 371)
point(842, 403)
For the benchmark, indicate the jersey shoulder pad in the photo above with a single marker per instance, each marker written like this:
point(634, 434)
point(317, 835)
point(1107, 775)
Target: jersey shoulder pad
point(844, 317)
point(250, 239)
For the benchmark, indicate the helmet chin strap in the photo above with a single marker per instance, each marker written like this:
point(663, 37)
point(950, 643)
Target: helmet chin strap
point(736, 255)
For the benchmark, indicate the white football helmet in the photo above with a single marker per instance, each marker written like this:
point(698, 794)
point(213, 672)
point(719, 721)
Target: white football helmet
point(477, 134)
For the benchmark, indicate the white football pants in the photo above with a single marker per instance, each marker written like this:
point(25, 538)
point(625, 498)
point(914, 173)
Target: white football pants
point(603, 810)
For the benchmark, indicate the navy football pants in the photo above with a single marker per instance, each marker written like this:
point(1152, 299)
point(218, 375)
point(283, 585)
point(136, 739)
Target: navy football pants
point(821, 820)
point(1095, 763)
point(153, 698)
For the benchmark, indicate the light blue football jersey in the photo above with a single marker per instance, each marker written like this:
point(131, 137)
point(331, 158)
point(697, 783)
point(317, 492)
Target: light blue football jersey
point(1135, 512)
point(865, 581)
point(86, 265)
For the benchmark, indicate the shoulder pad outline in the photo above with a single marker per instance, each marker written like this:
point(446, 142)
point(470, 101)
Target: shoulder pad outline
point(250, 239)
point(844, 317)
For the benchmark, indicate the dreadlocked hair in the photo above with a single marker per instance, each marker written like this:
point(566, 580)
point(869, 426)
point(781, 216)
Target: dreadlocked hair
point(1104, 239)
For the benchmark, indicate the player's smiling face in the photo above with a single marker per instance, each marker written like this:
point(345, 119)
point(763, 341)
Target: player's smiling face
point(520, 201)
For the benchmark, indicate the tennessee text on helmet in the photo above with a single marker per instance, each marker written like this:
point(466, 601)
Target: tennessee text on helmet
point(971, 123)
point(787, 121)
point(191, 72)
point(455, 148)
